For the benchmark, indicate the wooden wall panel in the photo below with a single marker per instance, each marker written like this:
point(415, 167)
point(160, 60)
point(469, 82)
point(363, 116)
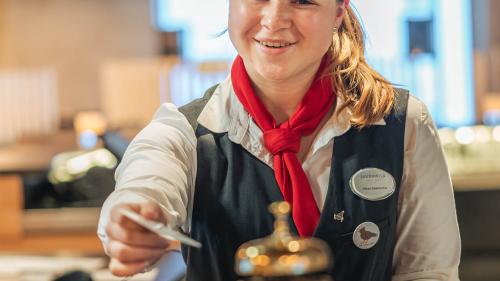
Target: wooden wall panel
point(75, 37)
point(11, 207)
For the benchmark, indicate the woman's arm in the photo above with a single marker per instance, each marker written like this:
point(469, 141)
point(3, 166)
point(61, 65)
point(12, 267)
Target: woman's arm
point(428, 239)
point(159, 166)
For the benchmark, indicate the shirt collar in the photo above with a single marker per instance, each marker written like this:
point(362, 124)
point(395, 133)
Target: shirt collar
point(224, 113)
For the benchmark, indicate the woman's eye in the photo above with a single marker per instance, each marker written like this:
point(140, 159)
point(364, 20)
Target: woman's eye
point(302, 2)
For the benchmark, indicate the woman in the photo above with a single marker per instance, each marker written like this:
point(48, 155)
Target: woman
point(302, 117)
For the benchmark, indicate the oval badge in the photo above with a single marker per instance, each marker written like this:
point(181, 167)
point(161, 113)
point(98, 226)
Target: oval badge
point(366, 235)
point(372, 184)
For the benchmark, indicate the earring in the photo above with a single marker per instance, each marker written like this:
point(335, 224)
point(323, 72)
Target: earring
point(335, 29)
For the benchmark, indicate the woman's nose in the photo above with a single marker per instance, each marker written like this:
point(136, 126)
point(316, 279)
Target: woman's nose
point(276, 15)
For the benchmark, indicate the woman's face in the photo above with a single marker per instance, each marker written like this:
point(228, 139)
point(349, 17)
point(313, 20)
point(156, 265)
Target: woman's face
point(283, 39)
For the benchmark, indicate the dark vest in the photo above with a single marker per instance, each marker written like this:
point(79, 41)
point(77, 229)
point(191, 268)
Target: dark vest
point(234, 188)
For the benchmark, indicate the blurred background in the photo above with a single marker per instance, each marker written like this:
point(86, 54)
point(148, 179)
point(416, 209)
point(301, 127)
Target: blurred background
point(79, 78)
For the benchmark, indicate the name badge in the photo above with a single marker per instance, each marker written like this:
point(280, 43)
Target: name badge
point(372, 184)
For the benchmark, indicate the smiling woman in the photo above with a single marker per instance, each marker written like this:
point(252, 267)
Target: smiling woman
point(304, 119)
point(286, 41)
point(282, 44)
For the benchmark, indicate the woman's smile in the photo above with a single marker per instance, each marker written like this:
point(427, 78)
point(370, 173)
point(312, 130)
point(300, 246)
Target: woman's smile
point(274, 47)
point(282, 40)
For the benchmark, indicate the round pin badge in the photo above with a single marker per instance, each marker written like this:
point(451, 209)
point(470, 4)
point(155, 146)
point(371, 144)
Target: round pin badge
point(366, 235)
point(372, 184)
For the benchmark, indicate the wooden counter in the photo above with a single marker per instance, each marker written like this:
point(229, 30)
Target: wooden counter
point(35, 154)
point(44, 231)
point(476, 182)
point(41, 231)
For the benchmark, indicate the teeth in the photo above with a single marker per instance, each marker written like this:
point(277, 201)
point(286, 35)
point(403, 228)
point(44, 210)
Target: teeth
point(274, 45)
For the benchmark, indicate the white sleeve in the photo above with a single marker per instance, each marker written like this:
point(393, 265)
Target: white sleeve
point(159, 165)
point(428, 239)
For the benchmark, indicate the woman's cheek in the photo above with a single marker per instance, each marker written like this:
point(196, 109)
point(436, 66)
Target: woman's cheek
point(243, 21)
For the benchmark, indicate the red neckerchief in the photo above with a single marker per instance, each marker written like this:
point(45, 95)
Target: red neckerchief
point(283, 140)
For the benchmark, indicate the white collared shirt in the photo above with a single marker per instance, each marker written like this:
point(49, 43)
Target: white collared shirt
point(160, 165)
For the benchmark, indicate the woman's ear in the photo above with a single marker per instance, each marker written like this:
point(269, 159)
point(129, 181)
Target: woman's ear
point(340, 13)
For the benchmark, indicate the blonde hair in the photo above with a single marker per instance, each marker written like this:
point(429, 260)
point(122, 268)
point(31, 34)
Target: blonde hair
point(366, 93)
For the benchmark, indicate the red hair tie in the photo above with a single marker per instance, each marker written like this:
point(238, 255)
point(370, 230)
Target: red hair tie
point(347, 2)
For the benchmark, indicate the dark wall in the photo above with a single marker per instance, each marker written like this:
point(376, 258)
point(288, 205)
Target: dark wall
point(479, 221)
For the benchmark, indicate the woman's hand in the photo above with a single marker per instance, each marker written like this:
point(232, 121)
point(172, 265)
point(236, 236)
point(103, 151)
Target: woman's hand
point(133, 248)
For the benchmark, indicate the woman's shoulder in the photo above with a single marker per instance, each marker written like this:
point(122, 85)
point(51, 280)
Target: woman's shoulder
point(416, 111)
point(193, 109)
point(419, 126)
point(409, 107)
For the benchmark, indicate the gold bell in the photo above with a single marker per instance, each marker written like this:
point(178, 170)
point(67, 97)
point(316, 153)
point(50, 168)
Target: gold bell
point(282, 256)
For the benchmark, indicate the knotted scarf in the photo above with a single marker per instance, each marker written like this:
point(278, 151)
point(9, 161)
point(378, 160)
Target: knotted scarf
point(283, 140)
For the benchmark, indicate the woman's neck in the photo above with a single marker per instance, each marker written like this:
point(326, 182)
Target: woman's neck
point(281, 98)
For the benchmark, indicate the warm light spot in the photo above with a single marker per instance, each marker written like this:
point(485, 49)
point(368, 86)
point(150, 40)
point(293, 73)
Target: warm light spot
point(262, 260)
point(284, 208)
point(465, 135)
point(496, 133)
point(293, 259)
point(294, 246)
point(252, 252)
point(241, 253)
point(483, 134)
point(283, 260)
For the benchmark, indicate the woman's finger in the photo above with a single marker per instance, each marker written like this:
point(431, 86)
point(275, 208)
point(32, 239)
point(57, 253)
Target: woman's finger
point(152, 211)
point(138, 238)
point(119, 218)
point(118, 268)
point(130, 254)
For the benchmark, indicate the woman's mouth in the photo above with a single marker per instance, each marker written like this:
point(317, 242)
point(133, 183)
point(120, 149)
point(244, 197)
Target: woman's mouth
point(274, 44)
point(274, 47)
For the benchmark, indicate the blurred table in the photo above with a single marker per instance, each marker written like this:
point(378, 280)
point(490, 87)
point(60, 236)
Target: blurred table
point(473, 157)
point(35, 154)
point(41, 231)
point(476, 182)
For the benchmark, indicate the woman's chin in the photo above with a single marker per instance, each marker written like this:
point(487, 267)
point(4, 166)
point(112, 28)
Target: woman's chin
point(274, 73)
